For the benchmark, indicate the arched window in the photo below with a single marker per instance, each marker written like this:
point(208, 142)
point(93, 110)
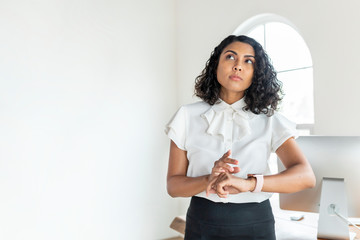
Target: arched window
point(292, 61)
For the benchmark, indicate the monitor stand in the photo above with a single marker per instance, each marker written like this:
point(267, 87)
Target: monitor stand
point(333, 197)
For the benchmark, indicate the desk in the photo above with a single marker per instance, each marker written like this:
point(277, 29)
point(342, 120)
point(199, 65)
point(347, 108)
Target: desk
point(357, 231)
point(305, 229)
point(352, 229)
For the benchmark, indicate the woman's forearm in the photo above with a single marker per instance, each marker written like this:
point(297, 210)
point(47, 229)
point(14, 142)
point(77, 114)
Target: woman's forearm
point(183, 186)
point(298, 174)
point(293, 179)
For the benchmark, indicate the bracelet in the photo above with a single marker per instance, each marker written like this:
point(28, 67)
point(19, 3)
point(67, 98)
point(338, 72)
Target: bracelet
point(259, 182)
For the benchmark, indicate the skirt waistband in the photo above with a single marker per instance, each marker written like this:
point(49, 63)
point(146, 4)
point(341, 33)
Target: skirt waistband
point(214, 213)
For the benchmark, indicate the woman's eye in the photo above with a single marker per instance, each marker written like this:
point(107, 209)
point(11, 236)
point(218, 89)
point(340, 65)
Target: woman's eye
point(249, 61)
point(231, 57)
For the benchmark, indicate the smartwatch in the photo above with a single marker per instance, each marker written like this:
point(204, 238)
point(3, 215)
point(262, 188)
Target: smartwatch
point(259, 182)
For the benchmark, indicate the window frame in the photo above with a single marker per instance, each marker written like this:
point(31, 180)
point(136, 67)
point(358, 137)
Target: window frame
point(263, 19)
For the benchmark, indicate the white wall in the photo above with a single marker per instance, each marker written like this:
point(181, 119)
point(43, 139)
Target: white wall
point(85, 90)
point(330, 29)
point(87, 86)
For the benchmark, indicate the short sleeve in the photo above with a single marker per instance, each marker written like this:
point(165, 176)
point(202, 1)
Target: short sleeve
point(176, 128)
point(282, 130)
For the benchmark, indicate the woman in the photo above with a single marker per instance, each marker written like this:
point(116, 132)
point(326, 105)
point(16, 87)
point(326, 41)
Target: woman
point(220, 146)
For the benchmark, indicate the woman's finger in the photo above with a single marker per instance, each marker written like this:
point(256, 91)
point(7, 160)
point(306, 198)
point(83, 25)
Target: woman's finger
point(222, 168)
point(220, 191)
point(224, 165)
point(218, 170)
point(236, 170)
point(230, 160)
point(209, 186)
point(221, 182)
point(224, 162)
point(223, 196)
point(227, 154)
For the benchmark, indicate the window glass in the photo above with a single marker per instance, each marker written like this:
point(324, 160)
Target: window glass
point(298, 102)
point(291, 59)
point(258, 34)
point(283, 43)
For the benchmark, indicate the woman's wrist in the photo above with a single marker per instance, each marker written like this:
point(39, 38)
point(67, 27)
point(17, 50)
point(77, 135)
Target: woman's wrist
point(259, 182)
point(251, 184)
point(245, 185)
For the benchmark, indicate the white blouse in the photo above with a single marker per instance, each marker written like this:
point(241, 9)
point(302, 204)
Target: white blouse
point(206, 132)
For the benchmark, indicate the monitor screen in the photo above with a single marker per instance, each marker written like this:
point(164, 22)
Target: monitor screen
point(330, 157)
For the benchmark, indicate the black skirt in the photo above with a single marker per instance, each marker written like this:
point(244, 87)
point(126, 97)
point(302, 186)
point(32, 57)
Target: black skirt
point(207, 220)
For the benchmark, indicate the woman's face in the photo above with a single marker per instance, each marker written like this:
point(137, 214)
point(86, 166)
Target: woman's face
point(235, 69)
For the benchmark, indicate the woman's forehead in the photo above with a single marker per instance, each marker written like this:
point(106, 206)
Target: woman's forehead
point(240, 47)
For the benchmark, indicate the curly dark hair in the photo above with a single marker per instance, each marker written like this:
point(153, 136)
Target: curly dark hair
point(264, 93)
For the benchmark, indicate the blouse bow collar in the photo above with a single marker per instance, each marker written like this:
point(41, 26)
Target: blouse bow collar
point(219, 115)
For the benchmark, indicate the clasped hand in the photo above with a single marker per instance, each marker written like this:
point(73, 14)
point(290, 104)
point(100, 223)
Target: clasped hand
point(222, 181)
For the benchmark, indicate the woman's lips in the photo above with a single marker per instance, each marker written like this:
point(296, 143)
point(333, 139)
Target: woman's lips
point(235, 78)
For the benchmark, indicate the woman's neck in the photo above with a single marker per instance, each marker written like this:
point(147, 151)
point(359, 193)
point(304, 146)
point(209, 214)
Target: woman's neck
point(231, 98)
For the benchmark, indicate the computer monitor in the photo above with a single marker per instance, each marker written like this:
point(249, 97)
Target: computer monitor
point(336, 163)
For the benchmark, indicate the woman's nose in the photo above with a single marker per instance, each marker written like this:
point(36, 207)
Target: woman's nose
point(237, 67)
